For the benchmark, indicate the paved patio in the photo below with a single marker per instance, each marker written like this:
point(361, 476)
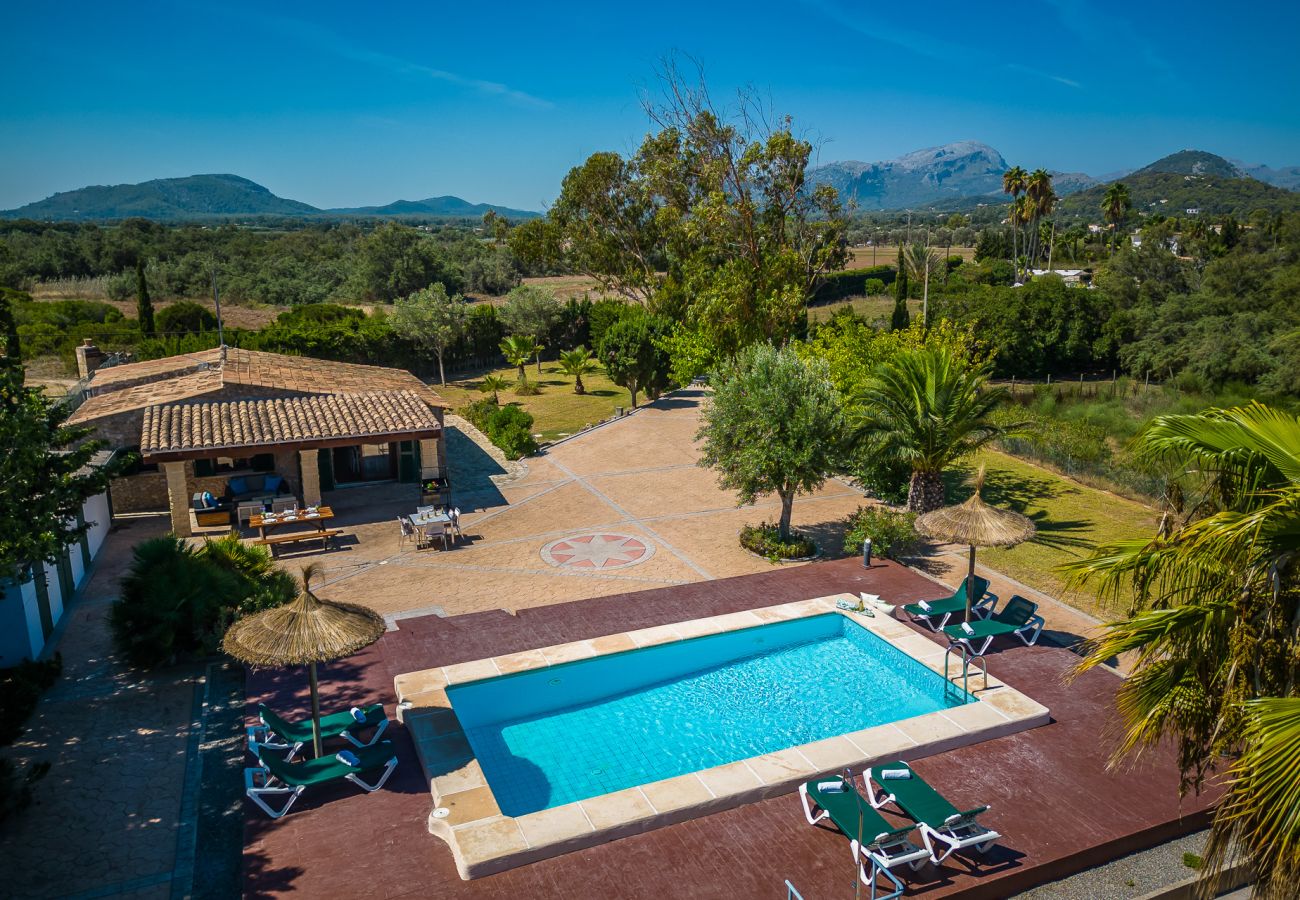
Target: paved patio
point(629, 485)
point(1051, 795)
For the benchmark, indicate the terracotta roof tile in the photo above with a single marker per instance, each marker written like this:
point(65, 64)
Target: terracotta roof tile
point(186, 427)
point(137, 385)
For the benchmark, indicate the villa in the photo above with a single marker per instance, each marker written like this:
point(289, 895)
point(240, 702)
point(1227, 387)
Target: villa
point(247, 425)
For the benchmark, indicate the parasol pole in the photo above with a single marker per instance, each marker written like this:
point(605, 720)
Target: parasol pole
point(315, 711)
point(970, 583)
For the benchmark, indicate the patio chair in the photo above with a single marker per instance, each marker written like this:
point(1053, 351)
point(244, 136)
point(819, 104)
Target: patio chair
point(455, 522)
point(441, 529)
point(936, 613)
point(281, 734)
point(943, 826)
point(882, 845)
point(1019, 617)
point(278, 777)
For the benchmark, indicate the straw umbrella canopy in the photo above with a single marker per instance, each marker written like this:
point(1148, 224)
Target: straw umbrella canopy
point(976, 524)
point(306, 631)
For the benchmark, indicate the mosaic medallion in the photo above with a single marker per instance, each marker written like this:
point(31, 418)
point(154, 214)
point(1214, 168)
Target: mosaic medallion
point(600, 551)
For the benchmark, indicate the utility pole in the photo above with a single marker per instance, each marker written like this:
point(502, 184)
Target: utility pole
point(925, 290)
point(216, 301)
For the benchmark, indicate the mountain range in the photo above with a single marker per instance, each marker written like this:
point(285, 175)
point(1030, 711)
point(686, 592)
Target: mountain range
point(226, 196)
point(960, 175)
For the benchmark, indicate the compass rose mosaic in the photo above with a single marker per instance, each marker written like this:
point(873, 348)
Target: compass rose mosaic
point(600, 551)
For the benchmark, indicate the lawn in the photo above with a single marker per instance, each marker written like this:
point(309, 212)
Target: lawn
point(1072, 518)
point(871, 308)
point(557, 411)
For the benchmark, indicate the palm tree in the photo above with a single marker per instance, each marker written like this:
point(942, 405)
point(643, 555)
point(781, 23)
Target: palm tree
point(1114, 205)
point(518, 349)
point(921, 261)
point(577, 362)
point(928, 408)
point(1022, 210)
point(1215, 625)
point(1014, 182)
point(1038, 187)
point(493, 384)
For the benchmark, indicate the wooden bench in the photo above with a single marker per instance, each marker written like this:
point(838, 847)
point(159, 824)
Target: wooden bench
point(325, 535)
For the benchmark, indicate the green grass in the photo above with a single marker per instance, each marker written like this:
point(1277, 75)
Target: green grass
point(871, 308)
point(1072, 518)
point(557, 411)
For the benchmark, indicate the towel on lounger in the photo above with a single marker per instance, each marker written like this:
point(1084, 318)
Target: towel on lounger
point(358, 713)
point(831, 787)
point(348, 758)
point(925, 606)
point(895, 774)
point(966, 627)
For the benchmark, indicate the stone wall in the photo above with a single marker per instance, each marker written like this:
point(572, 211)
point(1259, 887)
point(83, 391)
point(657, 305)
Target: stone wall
point(145, 492)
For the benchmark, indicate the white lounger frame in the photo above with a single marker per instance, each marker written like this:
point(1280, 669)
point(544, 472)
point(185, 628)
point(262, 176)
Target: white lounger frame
point(883, 856)
point(260, 736)
point(956, 832)
point(1034, 627)
point(982, 608)
point(259, 783)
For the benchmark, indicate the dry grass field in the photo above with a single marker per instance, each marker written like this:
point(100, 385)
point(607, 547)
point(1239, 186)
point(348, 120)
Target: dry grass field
point(887, 255)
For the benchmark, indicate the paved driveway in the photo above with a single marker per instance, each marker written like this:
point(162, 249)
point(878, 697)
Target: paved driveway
point(621, 508)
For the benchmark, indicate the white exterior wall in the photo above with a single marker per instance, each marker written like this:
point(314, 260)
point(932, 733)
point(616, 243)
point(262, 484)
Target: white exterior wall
point(20, 614)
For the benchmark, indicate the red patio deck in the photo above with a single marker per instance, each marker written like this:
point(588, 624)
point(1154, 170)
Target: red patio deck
point(1051, 796)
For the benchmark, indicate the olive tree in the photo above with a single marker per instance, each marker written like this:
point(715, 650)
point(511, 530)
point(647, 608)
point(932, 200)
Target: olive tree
point(432, 318)
point(774, 425)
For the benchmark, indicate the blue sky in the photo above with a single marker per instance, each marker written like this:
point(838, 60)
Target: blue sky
point(341, 104)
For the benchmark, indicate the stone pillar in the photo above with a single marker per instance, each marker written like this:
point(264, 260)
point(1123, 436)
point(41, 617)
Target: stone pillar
point(431, 461)
point(178, 497)
point(89, 357)
point(309, 467)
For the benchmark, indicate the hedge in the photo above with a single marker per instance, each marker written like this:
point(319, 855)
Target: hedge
point(851, 283)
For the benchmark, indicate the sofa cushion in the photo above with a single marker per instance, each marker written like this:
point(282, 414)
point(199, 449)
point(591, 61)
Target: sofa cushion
point(271, 483)
point(238, 486)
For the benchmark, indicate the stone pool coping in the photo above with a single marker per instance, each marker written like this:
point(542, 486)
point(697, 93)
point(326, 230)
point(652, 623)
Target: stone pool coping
point(484, 841)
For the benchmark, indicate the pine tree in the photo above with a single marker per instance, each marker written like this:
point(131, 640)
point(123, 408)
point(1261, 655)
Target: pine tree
point(900, 281)
point(143, 305)
point(901, 318)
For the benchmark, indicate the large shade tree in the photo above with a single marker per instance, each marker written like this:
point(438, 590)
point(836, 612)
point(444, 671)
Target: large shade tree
point(928, 407)
point(774, 425)
point(432, 319)
point(710, 221)
point(45, 469)
point(1215, 626)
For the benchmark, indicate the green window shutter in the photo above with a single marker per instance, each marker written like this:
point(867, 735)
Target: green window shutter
point(205, 468)
point(64, 568)
point(408, 462)
point(84, 542)
point(325, 465)
point(43, 600)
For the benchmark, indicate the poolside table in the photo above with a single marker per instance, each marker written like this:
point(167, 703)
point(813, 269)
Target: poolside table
point(271, 521)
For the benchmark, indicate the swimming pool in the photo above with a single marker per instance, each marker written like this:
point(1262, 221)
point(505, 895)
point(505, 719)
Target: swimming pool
point(569, 732)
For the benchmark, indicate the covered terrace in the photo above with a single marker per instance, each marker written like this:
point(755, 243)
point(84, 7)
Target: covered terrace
point(253, 452)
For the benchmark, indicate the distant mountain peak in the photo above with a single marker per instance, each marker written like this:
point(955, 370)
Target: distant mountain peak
point(922, 177)
point(1193, 162)
point(222, 195)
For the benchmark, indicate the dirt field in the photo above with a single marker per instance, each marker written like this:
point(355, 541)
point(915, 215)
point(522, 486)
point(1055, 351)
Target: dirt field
point(887, 255)
point(234, 315)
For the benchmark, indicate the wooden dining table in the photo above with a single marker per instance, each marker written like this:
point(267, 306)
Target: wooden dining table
point(270, 521)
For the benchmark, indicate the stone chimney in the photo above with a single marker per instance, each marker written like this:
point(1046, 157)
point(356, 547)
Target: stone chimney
point(89, 357)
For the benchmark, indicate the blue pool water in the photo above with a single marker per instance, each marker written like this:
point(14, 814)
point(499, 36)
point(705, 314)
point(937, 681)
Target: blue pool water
point(577, 730)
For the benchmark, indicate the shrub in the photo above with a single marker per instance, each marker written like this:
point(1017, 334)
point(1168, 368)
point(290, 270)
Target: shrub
point(526, 388)
point(20, 687)
point(892, 532)
point(873, 287)
point(478, 412)
point(187, 317)
point(177, 601)
point(121, 286)
point(765, 540)
point(511, 429)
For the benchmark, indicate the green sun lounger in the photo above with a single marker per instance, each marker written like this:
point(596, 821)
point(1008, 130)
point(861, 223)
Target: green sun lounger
point(881, 844)
point(942, 825)
point(279, 777)
point(1019, 617)
point(936, 613)
point(277, 733)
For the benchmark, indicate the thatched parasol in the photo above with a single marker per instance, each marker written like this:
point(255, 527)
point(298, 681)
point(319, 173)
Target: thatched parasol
point(977, 524)
point(306, 631)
